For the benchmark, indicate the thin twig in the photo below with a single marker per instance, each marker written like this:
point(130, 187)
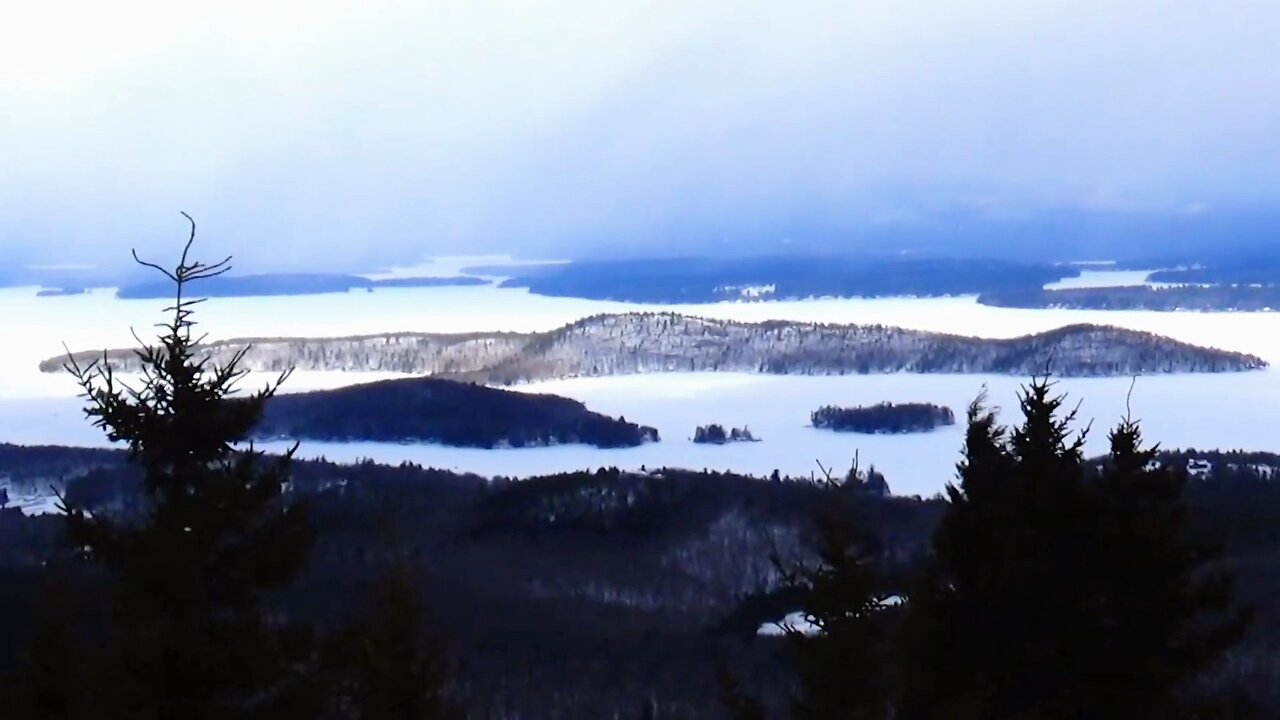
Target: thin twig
point(1128, 400)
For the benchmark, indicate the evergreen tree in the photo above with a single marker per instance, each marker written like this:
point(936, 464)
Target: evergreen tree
point(840, 657)
point(385, 666)
point(57, 672)
point(188, 633)
point(839, 652)
point(1034, 604)
point(1168, 596)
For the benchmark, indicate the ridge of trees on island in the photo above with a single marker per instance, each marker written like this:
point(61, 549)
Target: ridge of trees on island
point(715, 434)
point(445, 412)
point(605, 345)
point(883, 418)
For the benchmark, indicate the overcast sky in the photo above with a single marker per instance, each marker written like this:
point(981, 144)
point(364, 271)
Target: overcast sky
point(328, 134)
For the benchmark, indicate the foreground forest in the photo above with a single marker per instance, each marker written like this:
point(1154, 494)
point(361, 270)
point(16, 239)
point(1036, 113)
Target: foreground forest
point(602, 592)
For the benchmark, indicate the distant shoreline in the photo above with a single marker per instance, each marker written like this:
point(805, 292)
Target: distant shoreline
point(282, 284)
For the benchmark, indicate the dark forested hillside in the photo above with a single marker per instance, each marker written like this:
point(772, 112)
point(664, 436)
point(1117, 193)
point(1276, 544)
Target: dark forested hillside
point(446, 412)
point(576, 595)
point(592, 594)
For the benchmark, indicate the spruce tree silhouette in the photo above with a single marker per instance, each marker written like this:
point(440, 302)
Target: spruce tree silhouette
point(840, 653)
point(840, 666)
point(1168, 597)
point(1036, 603)
point(187, 629)
point(385, 666)
point(188, 636)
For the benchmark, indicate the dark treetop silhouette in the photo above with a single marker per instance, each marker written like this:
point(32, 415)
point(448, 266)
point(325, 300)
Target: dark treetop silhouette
point(189, 624)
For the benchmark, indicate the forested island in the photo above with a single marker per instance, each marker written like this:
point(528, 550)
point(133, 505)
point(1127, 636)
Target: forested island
point(1208, 298)
point(706, 279)
point(715, 434)
point(445, 412)
point(630, 343)
point(271, 284)
point(883, 418)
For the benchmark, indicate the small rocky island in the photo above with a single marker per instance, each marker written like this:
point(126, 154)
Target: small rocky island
point(714, 434)
point(884, 418)
point(445, 412)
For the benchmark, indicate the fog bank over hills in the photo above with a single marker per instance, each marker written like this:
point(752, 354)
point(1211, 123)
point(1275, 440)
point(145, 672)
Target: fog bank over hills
point(347, 137)
point(1241, 237)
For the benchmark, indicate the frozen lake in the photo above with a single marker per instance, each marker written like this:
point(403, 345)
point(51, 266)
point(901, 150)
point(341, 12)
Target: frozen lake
point(1230, 411)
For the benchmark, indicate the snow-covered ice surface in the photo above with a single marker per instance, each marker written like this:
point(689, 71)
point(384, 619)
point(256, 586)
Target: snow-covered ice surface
point(32, 500)
point(1230, 411)
point(1180, 411)
point(455, 265)
point(1093, 278)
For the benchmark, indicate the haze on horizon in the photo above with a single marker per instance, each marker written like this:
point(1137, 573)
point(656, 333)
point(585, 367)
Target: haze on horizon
point(325, 135)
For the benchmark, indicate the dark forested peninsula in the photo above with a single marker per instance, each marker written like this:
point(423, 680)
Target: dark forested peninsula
point(1237, 270)
point(1208, 298)
point(605, 345)
point(886, 417)
point(705, 280)
point(446, 412)
point(287, 284)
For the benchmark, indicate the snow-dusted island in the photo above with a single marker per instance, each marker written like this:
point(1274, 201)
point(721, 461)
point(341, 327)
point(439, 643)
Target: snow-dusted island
point(629, 343)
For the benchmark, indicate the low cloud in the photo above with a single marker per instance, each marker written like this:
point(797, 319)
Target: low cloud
point(324, 136)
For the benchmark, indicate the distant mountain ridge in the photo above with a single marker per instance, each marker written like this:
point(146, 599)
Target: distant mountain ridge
point(631, 343)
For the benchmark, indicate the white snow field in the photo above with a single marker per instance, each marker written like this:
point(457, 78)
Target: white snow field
point(1227, 411)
